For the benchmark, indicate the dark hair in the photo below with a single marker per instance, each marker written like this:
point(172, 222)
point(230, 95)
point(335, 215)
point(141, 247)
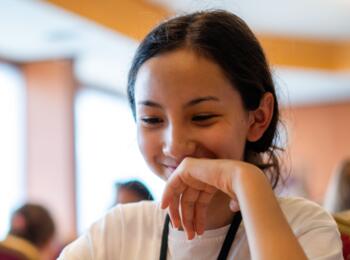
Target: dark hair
point(225, 39)
point(38, 227)
point(136, 186)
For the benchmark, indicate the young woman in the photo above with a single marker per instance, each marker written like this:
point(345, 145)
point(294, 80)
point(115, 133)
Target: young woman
point(206, 112)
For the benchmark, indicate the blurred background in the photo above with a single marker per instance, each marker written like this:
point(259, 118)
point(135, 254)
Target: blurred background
point(66, 132)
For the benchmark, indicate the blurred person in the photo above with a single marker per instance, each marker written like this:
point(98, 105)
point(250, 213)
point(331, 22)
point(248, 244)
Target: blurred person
point(31, 232)
point(337, 201)
point(337, 196)
point(131, 191)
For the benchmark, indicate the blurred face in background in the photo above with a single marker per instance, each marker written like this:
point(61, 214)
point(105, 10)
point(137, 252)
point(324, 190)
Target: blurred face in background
point(127, 196)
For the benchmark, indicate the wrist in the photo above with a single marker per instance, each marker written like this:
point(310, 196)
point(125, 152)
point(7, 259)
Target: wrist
point(248, 178)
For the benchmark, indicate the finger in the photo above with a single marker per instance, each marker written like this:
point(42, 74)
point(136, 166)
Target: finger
point(174, 212)
point(201, 210)
point(188, 201)
point(174, 187)
point(171, 198)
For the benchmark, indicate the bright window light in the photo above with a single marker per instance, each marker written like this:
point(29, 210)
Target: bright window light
point(106, 152)
point(11, 143)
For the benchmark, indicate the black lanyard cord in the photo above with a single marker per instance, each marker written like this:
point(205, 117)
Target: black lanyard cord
point(230, 236)
point(225, 249)
point(164, 245)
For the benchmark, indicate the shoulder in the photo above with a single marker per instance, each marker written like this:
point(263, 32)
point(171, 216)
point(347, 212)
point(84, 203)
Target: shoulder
point(314, 227)
point(140, 211)
point(106, 237)
point(294, 206)
point(131, 217)
point(298, 210)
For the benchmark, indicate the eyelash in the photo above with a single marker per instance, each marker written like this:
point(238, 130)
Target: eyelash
point(203, 117)
point(154, 121)
point(151, 120)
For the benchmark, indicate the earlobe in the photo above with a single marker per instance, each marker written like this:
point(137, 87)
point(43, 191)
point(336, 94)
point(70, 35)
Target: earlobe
point(261, 118)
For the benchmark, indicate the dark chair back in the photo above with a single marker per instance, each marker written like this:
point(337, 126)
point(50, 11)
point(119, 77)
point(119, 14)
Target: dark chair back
point(346, 246)
point(343, 222)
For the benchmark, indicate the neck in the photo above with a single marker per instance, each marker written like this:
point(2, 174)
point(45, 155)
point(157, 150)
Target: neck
point(219, 213)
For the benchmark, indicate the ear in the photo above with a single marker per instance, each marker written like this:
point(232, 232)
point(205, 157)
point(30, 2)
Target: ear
point(259, 119)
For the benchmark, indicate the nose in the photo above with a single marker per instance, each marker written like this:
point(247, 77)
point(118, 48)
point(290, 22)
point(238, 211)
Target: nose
point(178, 143)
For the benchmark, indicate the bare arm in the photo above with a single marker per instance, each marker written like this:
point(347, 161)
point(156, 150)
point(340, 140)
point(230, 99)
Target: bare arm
point(268, 232)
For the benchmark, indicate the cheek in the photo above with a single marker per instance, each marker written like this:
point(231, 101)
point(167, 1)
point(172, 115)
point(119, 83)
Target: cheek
point(142, 143)
point(225, 148)
point(226, 143)
point(151, 149)
point(148, 145)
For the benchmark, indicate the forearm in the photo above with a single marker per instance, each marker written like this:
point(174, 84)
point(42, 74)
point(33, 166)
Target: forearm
point(268, 232)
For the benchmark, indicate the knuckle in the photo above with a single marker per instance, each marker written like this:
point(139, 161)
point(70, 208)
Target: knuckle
point(201, 204)
point(189, 203)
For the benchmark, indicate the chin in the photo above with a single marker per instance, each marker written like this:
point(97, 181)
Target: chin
point(164, 175)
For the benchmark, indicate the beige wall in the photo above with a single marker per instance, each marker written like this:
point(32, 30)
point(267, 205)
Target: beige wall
point(50, 140)
point(319, 138)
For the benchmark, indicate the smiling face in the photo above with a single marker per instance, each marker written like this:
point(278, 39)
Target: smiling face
point(186, 107)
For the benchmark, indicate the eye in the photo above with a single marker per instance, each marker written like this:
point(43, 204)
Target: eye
point(151, 121)
point(203, 117)
point(204, 120)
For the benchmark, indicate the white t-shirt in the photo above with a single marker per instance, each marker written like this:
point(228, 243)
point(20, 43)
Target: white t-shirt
point(134, 231)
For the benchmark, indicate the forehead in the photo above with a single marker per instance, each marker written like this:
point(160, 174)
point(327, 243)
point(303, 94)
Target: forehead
point(181, 73)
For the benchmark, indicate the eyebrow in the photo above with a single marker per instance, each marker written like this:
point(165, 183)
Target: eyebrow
point(192, 102)
point(149, 104)
point(201, 99)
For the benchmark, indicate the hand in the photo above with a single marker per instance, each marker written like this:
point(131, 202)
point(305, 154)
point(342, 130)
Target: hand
point(191, 188)
point(193, 184)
